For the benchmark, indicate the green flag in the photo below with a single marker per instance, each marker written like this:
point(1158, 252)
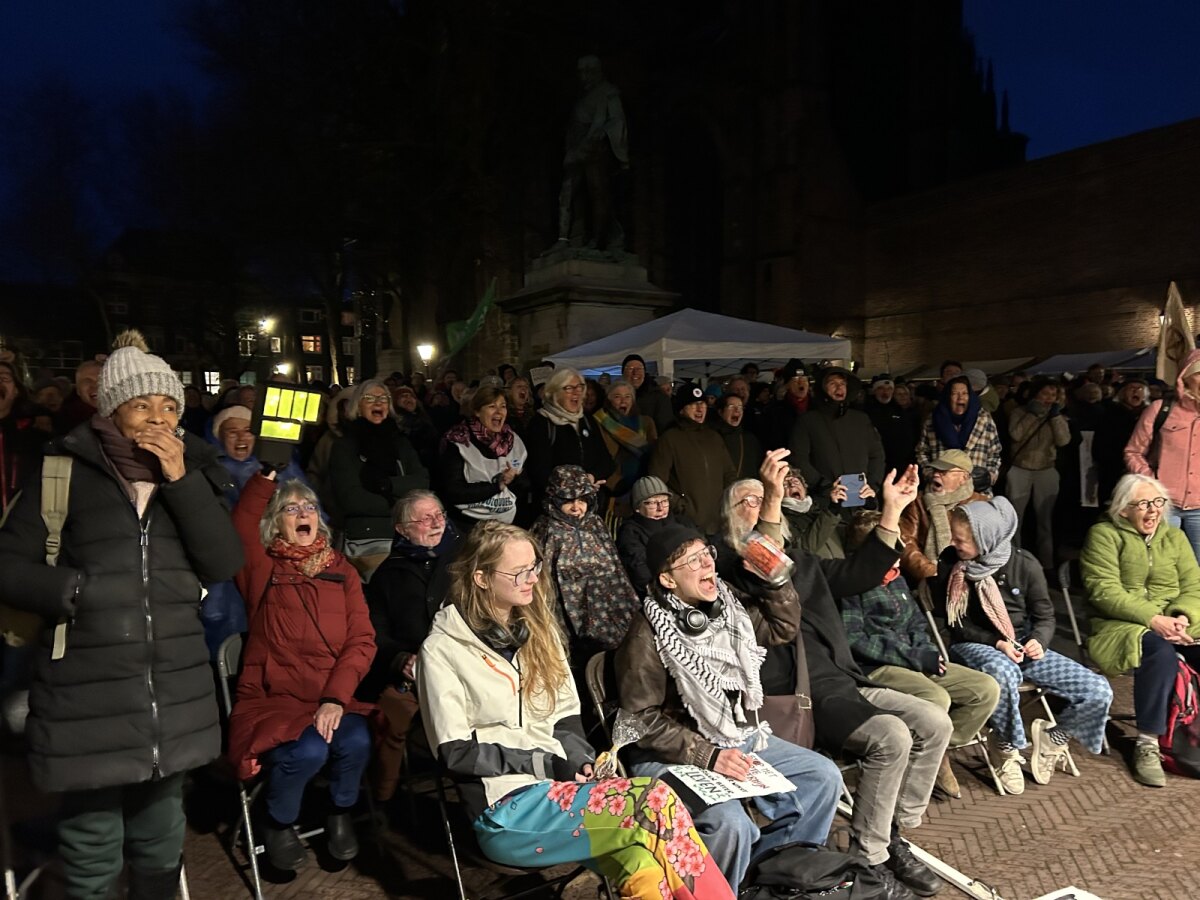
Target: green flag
point(458, 333)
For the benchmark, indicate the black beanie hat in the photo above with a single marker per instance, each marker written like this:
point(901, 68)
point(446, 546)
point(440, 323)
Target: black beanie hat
point(663, 543)
point(686, 393)
point(632, 357)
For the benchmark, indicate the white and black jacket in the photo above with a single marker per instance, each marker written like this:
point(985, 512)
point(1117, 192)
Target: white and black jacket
point(484, 728)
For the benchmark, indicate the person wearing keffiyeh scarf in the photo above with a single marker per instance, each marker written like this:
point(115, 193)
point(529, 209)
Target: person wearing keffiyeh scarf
point(689, 670)
point(1001, 622)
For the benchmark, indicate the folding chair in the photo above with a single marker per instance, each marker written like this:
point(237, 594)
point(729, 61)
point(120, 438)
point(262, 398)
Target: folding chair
point(980, 739)
point(558, 885)
point(1064, 584)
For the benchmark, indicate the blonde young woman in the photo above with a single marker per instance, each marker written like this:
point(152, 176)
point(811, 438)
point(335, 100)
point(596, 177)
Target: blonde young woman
point(502, 714)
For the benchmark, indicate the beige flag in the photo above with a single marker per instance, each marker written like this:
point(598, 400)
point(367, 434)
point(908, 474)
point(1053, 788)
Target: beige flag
point(1175, 340)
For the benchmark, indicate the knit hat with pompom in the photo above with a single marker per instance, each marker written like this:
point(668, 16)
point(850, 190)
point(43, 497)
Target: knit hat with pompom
point(131, 370)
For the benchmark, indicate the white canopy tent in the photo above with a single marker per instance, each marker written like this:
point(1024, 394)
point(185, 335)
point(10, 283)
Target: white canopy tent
point(691, 344)
point(1077, 363)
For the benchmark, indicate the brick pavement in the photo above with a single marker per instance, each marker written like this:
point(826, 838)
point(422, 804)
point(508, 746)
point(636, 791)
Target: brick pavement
point(1102, 832)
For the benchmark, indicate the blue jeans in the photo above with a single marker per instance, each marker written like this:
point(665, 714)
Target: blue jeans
point(805, 814)
point(1154, 680)
point(1189, 521)
point(291, 766)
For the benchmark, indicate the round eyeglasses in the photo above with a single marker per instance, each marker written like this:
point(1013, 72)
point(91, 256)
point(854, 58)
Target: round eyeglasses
point(294, 509)
point(524, 576)
point(751, 500)
point(696, 560)
point(664, 503)
point(1144, 505)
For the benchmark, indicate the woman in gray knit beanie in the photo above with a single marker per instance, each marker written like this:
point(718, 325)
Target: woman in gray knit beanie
point(121, 703)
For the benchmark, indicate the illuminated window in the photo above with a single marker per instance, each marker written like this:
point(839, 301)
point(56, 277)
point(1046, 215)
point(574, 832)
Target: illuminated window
point(314, 373)
point(310, 343)
point(276, 345)
point(247, 342)
point(212, 380)
point(349, 374)
point(185, 377)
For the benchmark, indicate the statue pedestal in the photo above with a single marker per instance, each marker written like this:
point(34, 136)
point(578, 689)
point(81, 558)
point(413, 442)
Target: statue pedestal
point(573, 296)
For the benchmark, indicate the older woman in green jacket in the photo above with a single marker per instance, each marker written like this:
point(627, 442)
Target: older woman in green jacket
point(1143, 583)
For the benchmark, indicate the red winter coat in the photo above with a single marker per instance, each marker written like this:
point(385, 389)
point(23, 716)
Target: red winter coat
point(287, 667)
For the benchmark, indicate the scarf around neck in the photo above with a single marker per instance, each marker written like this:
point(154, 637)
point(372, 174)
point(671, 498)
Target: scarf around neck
point(132, 462)
point(311, 560)
point(559, 416)
point(938, 507)
point(625, 430)
point(993, 524)
point(498, 443)
point(706, 672)
point(954, 430)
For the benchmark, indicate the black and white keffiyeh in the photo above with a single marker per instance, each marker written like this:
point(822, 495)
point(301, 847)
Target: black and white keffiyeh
point(707, 668)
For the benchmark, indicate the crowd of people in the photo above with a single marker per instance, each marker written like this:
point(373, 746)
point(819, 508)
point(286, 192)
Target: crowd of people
point(441, 559)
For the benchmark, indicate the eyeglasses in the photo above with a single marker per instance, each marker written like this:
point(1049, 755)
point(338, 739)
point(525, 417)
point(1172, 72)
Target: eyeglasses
point(751, 500)
point(372, 399)
point(428, 521)
point(696, 560)
point(573, 388)
point(294, 509)
point(523, 577)
point(1144, 505)
point(664, 503)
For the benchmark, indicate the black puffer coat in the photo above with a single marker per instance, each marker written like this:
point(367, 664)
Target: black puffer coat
point(132, 698)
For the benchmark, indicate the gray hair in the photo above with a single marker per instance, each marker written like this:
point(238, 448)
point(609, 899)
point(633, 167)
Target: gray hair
point(402, 511)
point(1122, 494)
point(732, 529)
point(360, 390)
point(291, 491)
point(559, 380)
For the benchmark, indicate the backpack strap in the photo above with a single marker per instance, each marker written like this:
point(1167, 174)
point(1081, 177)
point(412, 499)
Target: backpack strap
point(1154, 450)
point(56, 493)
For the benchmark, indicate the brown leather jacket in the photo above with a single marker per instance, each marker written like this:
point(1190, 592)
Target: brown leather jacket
point(914, 529)
point(647, 691)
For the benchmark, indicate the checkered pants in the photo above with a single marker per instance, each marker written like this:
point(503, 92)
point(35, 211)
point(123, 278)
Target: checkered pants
point(1088, 695)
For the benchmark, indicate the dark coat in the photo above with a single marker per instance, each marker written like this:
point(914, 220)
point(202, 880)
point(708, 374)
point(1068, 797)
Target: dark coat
point(834, 440)
point(745, 449)
point(898, 432)
point(132, 699)
point(550, 446)
point(1108, 446)
point(310, 639)
point(834, 677)
point(370, 468)
point(403, 596)
point(1026, 597)
point(693, 462)
point(632, 539)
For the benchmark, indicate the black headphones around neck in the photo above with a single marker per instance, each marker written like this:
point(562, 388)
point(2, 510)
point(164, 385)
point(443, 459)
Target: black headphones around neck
point(500, 638)
point(693, 620)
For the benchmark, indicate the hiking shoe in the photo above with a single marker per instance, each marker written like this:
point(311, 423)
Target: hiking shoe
point(1007, 764)
point(914, 874)
point(947, 783)
point(284, 849)
point(1147, 765)
point(1046, 754)
point(339, 830)
point(893, 889)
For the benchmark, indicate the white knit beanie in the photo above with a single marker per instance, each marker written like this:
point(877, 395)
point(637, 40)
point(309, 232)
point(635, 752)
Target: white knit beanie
point(131, 370)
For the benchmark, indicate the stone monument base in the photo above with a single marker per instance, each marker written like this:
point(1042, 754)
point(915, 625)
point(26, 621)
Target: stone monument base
point(574, 296)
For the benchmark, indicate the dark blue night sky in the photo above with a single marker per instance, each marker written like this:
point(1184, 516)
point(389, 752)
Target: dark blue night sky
point(1077, 71)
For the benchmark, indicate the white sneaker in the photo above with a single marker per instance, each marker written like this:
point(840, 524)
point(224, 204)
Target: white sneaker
point(1008, 767)
point(1046, 754)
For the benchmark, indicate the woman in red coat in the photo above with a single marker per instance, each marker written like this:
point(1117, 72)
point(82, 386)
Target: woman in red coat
point(310, 644)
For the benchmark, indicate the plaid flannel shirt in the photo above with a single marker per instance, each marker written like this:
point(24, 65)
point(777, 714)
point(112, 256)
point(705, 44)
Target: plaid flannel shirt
point(983, 446)
point(885, 627)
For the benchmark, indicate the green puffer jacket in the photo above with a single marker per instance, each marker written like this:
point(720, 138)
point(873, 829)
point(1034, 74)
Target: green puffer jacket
point(1129, 580)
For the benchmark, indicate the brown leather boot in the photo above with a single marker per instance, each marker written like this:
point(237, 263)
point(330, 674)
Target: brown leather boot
point(946, 783)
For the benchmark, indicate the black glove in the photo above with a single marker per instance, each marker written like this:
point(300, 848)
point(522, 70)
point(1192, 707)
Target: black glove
point(981, 479)
point(1055, 410)
point(562, 769)
point(931, 661)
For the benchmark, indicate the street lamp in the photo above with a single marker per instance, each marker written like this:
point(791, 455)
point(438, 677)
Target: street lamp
point(425, 351)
